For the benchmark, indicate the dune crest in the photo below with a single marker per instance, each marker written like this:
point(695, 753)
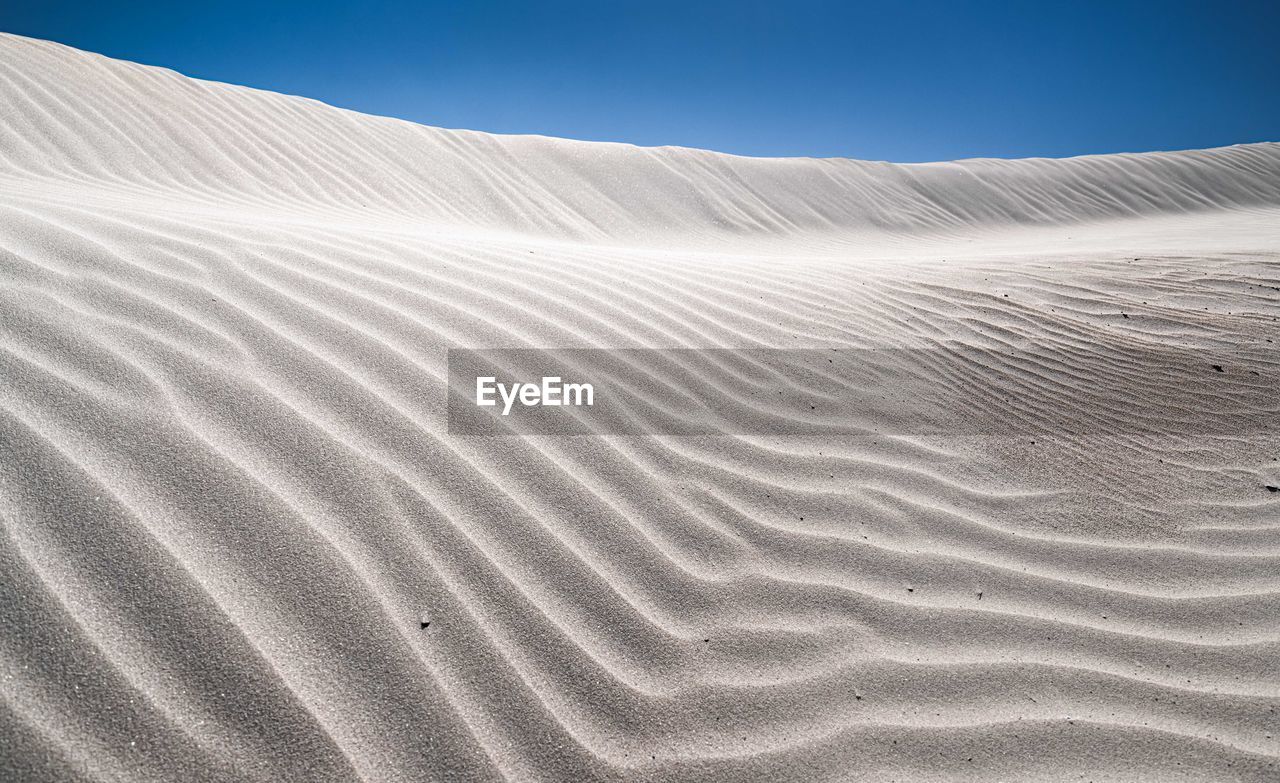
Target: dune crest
point(94, 123)
point(239, 543)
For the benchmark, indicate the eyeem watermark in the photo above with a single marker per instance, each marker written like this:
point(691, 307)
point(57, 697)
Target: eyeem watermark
point(951, 390)
point(551, 391)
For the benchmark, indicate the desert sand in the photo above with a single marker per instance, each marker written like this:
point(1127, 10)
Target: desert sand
point(240, 544)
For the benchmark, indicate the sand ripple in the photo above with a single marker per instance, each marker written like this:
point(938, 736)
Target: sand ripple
point(229, 501)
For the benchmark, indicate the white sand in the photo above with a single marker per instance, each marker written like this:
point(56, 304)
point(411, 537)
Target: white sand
point(228, 498)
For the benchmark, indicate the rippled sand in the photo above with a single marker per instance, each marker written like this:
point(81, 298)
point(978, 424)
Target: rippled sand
point(239, 542)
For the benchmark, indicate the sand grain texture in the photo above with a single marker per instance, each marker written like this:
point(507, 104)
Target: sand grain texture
point(228, 500)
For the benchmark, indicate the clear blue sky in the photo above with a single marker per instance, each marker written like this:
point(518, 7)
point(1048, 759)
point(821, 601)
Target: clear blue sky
point(886, 80)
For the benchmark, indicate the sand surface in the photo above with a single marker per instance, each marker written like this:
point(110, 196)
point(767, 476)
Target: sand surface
point(229, 501)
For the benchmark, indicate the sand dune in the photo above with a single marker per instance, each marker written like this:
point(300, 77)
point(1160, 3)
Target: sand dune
point(230, 501)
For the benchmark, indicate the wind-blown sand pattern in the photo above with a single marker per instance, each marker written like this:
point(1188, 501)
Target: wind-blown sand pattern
point(230, 502)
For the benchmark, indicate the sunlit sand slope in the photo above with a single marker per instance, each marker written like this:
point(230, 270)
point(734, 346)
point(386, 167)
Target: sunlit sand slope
point(238, 542)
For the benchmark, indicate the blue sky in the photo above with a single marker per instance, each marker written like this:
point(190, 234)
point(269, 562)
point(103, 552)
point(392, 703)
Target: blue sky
point(895, 81)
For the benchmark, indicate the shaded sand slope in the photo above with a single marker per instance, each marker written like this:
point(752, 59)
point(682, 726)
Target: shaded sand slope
point(228, 499)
